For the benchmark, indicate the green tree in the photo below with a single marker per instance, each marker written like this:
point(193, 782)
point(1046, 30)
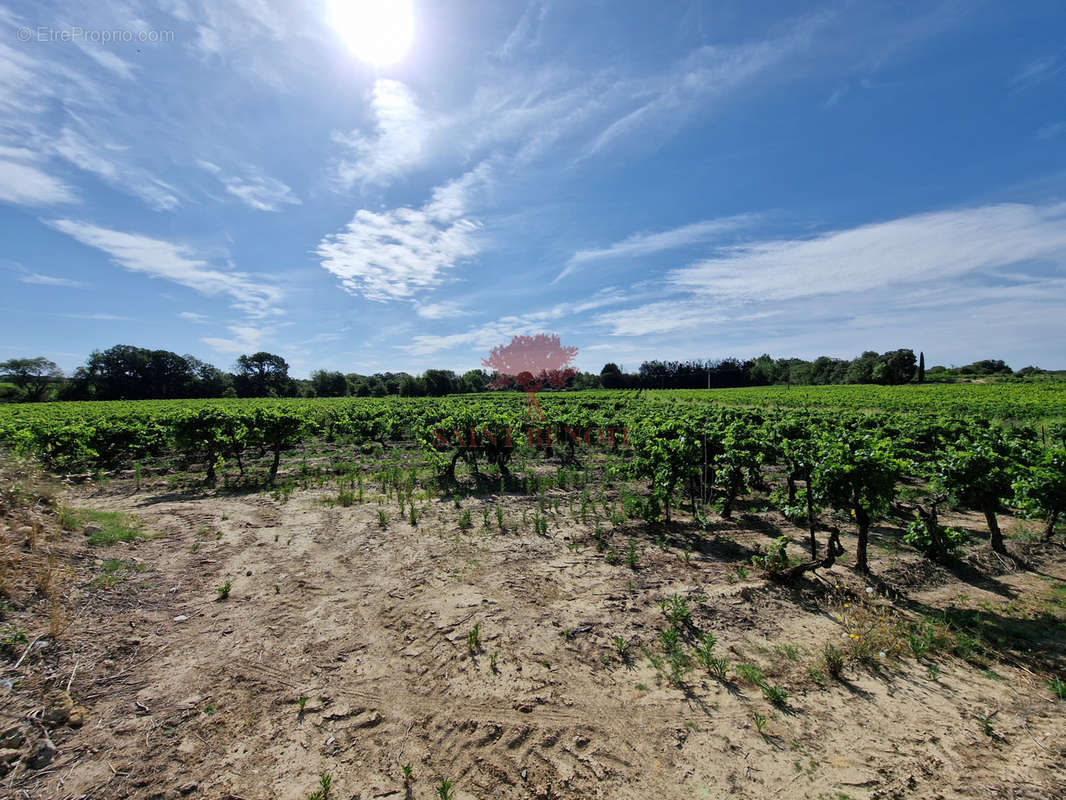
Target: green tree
point(124, 372)
point(439, 382)
point(262, 375)
point(329, 384)
point(33, 376)
point(611, 376)
point(894, 367)
point(861, 370)
point(207, 380)
point(410, 386)
point(763, 371)
point(476, 380)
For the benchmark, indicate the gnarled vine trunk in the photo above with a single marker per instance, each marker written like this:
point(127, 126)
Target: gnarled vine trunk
point(995, 535)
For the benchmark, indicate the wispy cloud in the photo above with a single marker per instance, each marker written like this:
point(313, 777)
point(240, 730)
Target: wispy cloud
point(56, 105)
point(398, 143)
point(254, 189)
point(99, 159)
point(643, 244)
point(676, 315)
point(442, 310)
point(22, 183)
point(1038, 70)
point(920, 248)
point(526, 33)
point(1051, 130)
point(37, 279)
point(177, 263)
point(108, 60)
point(489, 334)
point(98, 317)
point(710, 73)
point(242, 339)
point(395, 254)
point(193, 316)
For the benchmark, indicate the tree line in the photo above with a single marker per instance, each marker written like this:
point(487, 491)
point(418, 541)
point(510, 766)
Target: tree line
point(125, 372)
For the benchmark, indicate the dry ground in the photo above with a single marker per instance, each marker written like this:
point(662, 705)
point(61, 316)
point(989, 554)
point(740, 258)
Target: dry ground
point(186, 694)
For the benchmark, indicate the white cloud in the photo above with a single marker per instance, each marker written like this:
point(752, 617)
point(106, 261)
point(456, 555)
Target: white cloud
point(256, 190)
point(261, 193)
point(500, 331)
point(1051, 130)
point(161, 259)
point(920, 248)
point(244, 339)
point(660, 317)
point(395, 254)
point(642, 244)
point(37, 279)
point(24, 184)
point(521, 115)
point(98, 159)
point(526, 33)
point(442, 310)
point(1037, 71)
point(108, 60)
point(399, 141)
point(666, 100)
point(193, 316)
point(98, 317)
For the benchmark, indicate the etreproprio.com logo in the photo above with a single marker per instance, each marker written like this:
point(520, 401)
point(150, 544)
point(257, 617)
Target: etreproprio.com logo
point(76, 34)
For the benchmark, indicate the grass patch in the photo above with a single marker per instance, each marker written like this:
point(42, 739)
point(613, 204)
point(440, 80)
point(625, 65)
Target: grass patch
point(104, 527)
point(114, 572)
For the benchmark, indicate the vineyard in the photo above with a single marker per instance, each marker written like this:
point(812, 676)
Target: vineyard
point(475, 593)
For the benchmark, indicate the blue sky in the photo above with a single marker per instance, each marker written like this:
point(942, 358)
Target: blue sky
point(671, 180)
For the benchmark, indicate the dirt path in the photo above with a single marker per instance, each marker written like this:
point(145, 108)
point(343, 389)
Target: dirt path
point(200, 697)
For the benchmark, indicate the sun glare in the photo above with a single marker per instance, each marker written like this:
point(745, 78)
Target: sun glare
point(377, 31)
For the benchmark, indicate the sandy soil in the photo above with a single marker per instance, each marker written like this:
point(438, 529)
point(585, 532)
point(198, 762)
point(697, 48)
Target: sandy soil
point(187, 695)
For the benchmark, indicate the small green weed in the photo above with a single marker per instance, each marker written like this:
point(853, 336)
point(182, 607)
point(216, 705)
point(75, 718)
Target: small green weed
point(759, 721)
point(750, 673)
point(632, 559)
point(833, 660)
point(473, 640)
point(775, 695)
point(985, 721)
point(325, 782)
point(675, 609)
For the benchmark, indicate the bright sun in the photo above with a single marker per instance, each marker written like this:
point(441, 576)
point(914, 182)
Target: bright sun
point(377, 31)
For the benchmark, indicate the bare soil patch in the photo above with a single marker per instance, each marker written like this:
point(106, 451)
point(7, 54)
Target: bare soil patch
point(343, 647)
